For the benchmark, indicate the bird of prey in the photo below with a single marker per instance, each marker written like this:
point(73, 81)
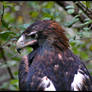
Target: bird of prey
point(51, 66)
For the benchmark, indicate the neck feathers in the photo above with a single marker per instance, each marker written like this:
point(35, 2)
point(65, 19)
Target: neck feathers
point(61, 40)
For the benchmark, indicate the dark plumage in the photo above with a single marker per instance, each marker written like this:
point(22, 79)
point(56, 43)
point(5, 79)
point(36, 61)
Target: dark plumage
point(51, 65)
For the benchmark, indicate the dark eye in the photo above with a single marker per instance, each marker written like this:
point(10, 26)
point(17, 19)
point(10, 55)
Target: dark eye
point(34, 36)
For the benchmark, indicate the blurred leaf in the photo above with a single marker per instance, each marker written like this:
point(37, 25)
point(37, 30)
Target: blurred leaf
point(88, 4)
point(4, 24)
point(87, 19)
point(8, 17)
point(46, 10)
point(16, 73)
point(23, 26)
point(75, 50)
point(73, 21)
point(69, 7)
point(84, 2)
point(47, 14)
point(86, 34)
point(88, 22)
point(34, 14)
point(56, 14)
point(4, 85)
point(46, 18)
point(84, 55)
point(14, 84)
point(1, 12)
point(70, 23)
point(33, 4)
point(90, 48)
point(86, 29)
point(26, 25)
point(48, 5)
point(9, 64)
point(6, 4)
point(89, 66)
point(6, 32)
point(6, 35)
point(70, 11)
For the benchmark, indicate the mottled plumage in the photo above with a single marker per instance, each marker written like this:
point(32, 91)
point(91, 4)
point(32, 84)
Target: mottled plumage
point(51, 65)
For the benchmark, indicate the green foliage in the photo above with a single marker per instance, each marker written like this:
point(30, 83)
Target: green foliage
point(88, 4)
point(46, 11)
point(6, 35)
point(14, 84)
point(73, 21)
point(70, 9)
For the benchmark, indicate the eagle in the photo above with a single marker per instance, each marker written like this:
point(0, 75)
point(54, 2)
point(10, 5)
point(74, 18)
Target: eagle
point(51, 66)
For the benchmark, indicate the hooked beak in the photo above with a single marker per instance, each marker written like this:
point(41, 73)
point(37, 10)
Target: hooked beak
point(23, 42)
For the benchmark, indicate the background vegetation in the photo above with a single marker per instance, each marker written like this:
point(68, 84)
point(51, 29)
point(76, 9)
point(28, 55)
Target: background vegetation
point(15, 17)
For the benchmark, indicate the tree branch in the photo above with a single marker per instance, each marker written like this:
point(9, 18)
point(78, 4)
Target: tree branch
point(82, 16)
point(5, 61)
point(64, 4)
point(2, 19)
point(87, 11)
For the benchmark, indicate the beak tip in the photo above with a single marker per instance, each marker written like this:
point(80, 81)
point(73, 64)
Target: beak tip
point(18, 50)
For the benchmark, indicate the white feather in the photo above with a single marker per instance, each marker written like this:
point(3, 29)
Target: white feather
point(78, 81)
point(45, 81)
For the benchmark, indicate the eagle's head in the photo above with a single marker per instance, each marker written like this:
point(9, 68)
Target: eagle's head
point(40, 32)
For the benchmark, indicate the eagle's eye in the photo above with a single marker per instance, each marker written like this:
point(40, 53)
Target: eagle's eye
point(33, 35)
